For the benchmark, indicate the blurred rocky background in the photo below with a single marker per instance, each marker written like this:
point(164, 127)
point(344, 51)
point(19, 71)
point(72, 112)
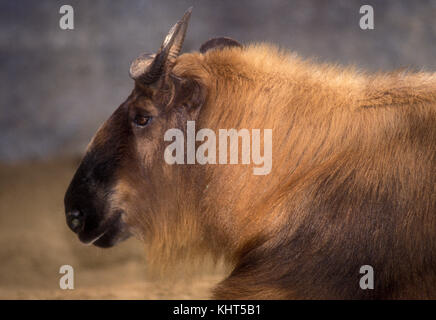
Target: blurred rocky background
point(57, 87)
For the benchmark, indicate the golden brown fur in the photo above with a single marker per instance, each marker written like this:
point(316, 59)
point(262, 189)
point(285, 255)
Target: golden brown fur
point(352, 182)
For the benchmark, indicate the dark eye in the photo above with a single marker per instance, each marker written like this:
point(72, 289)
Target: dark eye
point(141, 120)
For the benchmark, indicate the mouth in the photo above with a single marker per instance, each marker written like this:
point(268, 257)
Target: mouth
point(106, 234)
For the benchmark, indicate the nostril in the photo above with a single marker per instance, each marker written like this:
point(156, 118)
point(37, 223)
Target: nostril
point(75, 223)
point(75, 220)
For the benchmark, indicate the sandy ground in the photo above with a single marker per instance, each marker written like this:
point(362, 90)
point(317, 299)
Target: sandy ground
point(35, 242)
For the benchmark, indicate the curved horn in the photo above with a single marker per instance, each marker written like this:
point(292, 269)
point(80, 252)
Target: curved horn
point(147, 68)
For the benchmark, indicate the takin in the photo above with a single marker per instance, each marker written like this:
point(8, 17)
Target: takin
point(352, 182)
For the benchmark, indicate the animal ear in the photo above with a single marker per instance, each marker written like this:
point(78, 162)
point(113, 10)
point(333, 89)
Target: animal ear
point(188, 93)
point(219, 43)
point(153, 69)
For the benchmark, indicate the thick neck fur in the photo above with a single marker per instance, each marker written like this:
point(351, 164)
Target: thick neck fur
point(328, 124)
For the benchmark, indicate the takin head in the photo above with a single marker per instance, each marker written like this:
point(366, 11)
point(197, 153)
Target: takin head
point(123, 186)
